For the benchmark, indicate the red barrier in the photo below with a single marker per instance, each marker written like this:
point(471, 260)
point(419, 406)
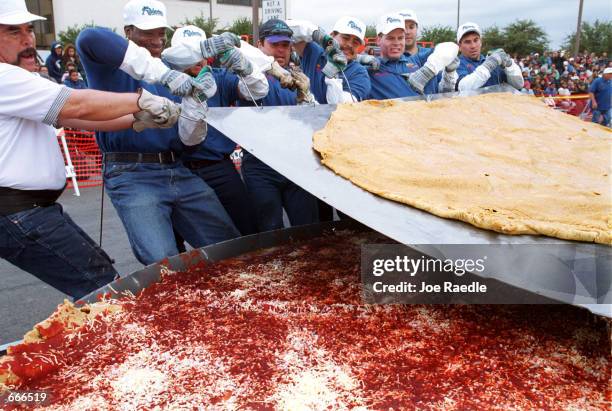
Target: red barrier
point(85, 155)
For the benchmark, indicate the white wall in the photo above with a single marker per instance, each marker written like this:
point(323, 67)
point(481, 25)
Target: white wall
point(108, 13)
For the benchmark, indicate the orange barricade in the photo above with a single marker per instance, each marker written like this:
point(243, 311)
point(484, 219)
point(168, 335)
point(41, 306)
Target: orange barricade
point(85, 155)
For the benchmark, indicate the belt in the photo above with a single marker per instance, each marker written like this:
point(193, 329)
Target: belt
point(196, 164)
point(166, 157)
point(14, 201)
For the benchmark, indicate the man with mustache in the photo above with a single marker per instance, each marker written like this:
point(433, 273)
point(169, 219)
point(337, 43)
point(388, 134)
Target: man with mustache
point(330, 61)
point(36, 235)
point(402, 76)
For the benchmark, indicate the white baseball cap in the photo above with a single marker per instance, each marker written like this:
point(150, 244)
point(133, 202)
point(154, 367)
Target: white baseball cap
point(145, 14)
point(466, 28)
point(389, 22)
point(187, 34)
point(608, 70)
point(408, 14)
point(16, 12)
point(351, 25)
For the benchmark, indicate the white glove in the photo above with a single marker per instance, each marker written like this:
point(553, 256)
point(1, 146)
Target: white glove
point(442, 56)
point(335, 94)
point(164, 112)
point(514, 75)
point(302, 30)
point(140, 65)
point(192, 126)
point(256, 56)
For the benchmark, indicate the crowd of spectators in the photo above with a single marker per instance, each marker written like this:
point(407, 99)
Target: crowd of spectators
point(559, 74)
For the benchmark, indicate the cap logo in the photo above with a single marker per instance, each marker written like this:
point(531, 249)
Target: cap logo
point(393, 20)
point(469, 26)
point(189, 33)
point(354, 26)
point(151, 11)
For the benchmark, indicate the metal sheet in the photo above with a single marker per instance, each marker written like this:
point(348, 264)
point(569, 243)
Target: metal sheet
point(281, 137)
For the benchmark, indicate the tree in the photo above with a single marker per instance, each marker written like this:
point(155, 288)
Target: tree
point(242, 25)
point(70, 35)
point(438, 34)
point(371, 31)
point(492, 38)
point(523, 37)
point(209, 27)
point(596, 37)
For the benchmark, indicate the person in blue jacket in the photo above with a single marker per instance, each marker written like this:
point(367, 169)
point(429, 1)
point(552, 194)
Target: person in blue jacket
point(211, 160)
point(475, 70)
point(54, 61)
point(403, 76)
point(330, 61)
point(73, 81)
point(148, 185)
point(600, 94)
point(411, 27)
point(270, 191)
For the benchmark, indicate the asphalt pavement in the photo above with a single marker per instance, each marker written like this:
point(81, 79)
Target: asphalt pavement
point(25, 300)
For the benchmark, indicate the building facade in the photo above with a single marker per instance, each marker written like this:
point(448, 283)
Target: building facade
point(62, 14)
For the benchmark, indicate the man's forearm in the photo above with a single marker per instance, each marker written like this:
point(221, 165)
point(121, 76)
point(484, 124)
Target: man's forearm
point(117, 124)
point(97, 105)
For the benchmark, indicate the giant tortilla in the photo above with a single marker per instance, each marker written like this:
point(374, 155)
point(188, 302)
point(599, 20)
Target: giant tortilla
point(501, 162)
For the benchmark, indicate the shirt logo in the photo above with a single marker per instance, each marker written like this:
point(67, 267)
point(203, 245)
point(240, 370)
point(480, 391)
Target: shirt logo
point(354, 26)
point(393, 20)
point(189, 33)
point(151, 11)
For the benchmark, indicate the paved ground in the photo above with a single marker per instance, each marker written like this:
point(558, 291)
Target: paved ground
point(25, 300)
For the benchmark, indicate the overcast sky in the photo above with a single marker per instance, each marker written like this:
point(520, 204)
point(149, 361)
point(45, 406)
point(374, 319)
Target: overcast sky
point(557, 17)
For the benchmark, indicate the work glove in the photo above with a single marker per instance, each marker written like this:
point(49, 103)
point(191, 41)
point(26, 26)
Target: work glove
point(144, 119)
point(234, 61)
point(506, 60)
point(217, 45)
point(336, 60)
point(207, 82)
point(301, 83)
point(164, 112)
point(192, 126)
point(282, 75)
point(443, 55)
point(452, 66)
point(180, 84)
point(494, 60)
point(370, 62)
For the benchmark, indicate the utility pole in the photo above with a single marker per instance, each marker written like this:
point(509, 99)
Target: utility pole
point(255, 21)
point(578, 30)
point(458, 8)
point(210, 21)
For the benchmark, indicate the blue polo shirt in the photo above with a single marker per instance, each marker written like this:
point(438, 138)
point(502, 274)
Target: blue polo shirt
point(102, 53)
point(217, 145)
point(388, 82)
point(602, 90)
point(313, 61)
point(467, 66)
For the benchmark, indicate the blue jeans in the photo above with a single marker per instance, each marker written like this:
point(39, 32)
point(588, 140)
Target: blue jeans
point(151, 198)
point(45, 242)
point(223, 178)
point(606, 114)
point(271, 192)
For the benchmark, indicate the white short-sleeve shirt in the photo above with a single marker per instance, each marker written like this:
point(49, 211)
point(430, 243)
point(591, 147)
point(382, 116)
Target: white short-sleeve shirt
point(30, 157)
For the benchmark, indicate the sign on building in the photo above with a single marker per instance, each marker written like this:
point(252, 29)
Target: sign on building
point(273, 9)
